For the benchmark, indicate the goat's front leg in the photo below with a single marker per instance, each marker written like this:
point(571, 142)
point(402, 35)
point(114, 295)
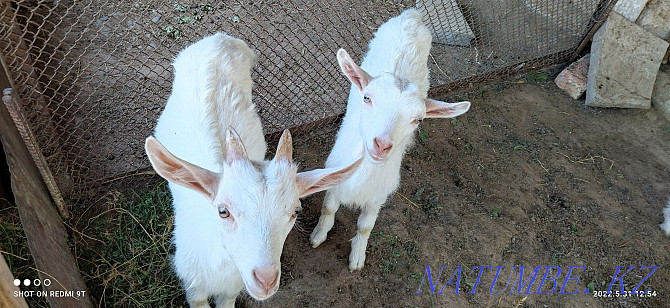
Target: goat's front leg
point(358, 244)
point(330, 205)
point(197, 299)
point(223, 301)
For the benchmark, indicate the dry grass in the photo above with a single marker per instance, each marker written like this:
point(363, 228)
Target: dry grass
point(125, 252)
point(14, 248)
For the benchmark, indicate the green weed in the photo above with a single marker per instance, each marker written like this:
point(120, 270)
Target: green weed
point(186, 14)
point(428, 202)
point(537, 77)
point(14, 248)
point(573, 229)
point(396, 251)
point(496, 212)
point(125, 255)
point(423, 136)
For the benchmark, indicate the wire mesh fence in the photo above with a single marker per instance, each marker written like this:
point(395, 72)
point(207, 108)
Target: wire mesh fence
point(91, 77)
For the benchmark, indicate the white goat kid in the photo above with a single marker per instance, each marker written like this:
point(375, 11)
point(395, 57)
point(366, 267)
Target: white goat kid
point(233, 210)
point(665, 226)
point(383, 112)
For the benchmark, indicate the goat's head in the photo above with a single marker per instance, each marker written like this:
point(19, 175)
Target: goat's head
point(254, 204)
point(391, 109)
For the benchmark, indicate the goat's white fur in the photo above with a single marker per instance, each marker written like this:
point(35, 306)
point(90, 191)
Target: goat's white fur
point(665, 226)
point(394, 75)
point(215, 161)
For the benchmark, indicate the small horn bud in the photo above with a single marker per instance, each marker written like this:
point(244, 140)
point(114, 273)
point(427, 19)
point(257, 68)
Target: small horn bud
point(234, 147)
point(285, 147)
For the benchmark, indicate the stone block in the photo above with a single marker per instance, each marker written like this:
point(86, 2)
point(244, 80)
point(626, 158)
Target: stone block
point(624, 62)
point(656, 18)
point(660, 98)
point(447, 23)
point(631, 9)
point(573, 78)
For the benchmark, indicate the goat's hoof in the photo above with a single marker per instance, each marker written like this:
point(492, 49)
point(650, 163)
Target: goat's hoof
point(317, 238)
point(356, 261)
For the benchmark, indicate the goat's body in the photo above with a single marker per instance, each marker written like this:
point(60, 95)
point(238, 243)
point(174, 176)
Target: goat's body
point(403, 37)
point(400, 46)
point(665, 226)
point(211, 91)
point(233, 209)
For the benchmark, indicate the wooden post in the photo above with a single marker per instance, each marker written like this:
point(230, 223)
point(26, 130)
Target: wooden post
point(24, 63)
point(7, 288)
point(42, 225)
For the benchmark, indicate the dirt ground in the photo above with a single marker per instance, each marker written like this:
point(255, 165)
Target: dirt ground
point(527, 177)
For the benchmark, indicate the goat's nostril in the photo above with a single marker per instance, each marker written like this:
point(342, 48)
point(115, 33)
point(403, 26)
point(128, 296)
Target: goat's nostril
point(381, 145)
point(266, 277)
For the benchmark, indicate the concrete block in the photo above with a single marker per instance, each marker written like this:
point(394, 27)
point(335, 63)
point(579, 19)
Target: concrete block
point(631, 9)
point(446, 22)
point(624, 62)
point(660, 98)
point(656, 18)
point(573, 78)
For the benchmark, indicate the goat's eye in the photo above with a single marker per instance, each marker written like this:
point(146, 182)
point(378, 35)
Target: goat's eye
point(366, 99)
point(416, 121)
point(223, 212)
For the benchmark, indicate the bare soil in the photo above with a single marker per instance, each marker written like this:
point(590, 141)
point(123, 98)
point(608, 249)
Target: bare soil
point(528, 177)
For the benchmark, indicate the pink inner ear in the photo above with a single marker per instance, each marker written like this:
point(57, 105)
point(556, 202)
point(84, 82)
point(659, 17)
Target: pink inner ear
point(317, 180)
point(439, 109)
point(179, 171)
point(356, 75)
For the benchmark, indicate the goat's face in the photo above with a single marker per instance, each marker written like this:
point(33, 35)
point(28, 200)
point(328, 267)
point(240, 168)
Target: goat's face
point(391, 109)
point(255, 203)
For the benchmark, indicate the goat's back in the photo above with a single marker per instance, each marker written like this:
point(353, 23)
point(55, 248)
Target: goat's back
point(211, 91)
point(401, 46)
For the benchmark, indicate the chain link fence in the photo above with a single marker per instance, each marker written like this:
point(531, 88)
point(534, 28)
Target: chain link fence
point(91, 77)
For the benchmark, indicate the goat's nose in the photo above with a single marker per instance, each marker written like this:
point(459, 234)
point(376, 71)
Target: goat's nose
point(382, 146)
point(267, 277)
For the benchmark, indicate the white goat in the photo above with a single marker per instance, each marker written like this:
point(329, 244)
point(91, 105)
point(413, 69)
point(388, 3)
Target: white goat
point(665, 226)
point(233, 210)
point(382, 114)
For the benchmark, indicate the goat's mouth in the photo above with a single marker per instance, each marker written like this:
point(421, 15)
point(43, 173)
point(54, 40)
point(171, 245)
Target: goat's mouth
point(374, 158)
point(259, 294)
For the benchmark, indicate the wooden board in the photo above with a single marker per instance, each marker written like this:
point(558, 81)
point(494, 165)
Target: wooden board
point(7, 288)
point(41, 223)
point(25, 64)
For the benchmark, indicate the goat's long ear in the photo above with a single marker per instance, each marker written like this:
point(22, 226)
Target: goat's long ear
point(438, 109)
point(317, 180)
point(356, 75)
point(234, 147)
point(285, 147)
point(179, 171)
